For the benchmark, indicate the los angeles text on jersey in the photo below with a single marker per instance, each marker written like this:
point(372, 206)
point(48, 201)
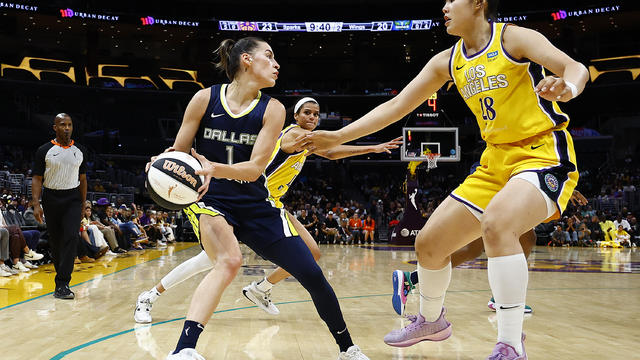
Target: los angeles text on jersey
point(229, 137)
point(478, 81)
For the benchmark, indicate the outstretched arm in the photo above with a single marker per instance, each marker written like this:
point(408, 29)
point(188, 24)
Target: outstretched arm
point(345, 151)
point(427, 82)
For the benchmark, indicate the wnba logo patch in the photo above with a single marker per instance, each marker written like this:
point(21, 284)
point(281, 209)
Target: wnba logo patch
point(492, 55)
point(552, 182)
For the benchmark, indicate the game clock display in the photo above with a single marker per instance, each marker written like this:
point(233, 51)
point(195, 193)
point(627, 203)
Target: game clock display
point(326, 26)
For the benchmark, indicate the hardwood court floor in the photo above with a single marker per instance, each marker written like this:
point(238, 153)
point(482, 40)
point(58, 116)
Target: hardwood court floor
point(586, 306)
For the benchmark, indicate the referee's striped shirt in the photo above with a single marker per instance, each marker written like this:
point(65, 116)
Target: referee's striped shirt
point(60, 166)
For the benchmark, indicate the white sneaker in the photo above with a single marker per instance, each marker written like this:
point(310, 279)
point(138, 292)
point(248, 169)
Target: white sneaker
point(353, 353)
point(142, 313)
point(29, 265)
point(185, 354)
point(260, 298)
point(32, 255)
point(4, 273)
point(110, 253)
point(20, 267)
point(8, 269)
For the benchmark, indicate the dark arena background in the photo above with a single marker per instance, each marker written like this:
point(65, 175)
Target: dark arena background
point(125, 72)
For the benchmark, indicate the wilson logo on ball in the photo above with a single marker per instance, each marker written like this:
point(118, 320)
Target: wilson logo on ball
point(180, 171)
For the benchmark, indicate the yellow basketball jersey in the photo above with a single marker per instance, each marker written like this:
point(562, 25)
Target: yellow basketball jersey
point(283, 168)
point(499, 90)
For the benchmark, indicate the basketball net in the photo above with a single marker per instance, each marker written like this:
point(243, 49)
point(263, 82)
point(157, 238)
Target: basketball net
point(432, 159)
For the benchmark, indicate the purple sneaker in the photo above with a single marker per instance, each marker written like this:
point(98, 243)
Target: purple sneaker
point(420, 330)
point(504, 351)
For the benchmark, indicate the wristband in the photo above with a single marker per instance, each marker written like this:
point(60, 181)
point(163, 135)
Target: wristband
point(574, 89)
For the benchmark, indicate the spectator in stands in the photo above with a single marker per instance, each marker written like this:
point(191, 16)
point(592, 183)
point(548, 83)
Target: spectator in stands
point(345, 233)
point(101, 213)
point(571, 230)
point(107, 231)
point(596, 233)
point(304, 219)
point(314, 227)
point(30, 218)
point(4, 253)
point(584, 235)
point(557, 237)
point(95, 235)
point(167, 228)
point(18, 245)
point(368, 228)
point(635, 231)
point(622, 237)
point(621, 221)
point(331, 228)
point(355, 227)
point(608, 229)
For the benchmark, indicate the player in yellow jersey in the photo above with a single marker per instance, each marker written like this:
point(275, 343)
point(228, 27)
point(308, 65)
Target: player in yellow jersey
point(527, 172)
point(283, 167)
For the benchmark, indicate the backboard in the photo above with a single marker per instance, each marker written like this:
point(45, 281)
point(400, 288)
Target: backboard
point(417, 141)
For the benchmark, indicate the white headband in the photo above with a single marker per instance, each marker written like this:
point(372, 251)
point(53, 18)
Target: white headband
point(303, 101)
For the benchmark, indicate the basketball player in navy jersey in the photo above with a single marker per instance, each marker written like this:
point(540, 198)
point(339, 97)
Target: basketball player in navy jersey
point(236, 128)
point(284, 166)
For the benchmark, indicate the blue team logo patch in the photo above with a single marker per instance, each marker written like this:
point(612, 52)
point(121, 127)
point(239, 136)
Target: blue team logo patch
point(492, 54)
point(551, 182)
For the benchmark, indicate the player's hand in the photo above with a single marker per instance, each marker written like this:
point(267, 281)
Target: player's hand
point(553, 88)
point(578, 199)
point(386, 147)
point(153, 158)
point(37, 212)
point(319, 140)
point(208, 170)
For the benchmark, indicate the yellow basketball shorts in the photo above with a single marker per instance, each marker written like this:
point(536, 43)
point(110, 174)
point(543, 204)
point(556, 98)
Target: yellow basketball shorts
point(550, 156)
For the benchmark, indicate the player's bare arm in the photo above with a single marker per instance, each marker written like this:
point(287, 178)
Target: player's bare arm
point(345, 151)
point(523, 43)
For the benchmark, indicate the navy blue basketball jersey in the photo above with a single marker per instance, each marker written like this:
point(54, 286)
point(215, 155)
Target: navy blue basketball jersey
point(228, 138)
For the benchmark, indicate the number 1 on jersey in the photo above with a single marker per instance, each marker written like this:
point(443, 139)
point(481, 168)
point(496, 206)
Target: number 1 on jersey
point(488, 112)
point(229, 154)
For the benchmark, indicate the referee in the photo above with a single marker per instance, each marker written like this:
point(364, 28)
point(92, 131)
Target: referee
point(59, 173)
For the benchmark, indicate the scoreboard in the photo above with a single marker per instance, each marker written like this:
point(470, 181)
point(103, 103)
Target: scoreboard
point(327, 26)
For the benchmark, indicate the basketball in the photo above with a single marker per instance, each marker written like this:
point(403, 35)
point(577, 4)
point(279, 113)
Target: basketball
point(172, 181)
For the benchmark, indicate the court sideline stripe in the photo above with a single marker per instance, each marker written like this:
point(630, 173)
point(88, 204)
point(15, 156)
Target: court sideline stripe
point(90, 280)
point(104, 338)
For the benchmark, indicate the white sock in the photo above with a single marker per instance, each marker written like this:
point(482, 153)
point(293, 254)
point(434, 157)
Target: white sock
point(508, 277)
point(264, 285)
point(187, 269)
point(154, 294)
point(433, 287)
